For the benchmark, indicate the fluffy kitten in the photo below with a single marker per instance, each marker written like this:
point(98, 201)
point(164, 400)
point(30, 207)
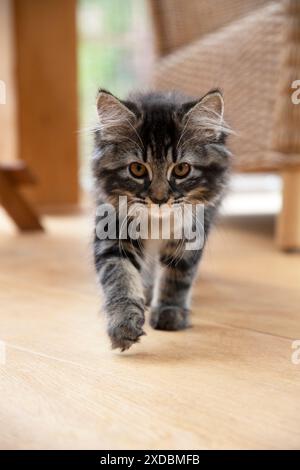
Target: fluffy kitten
point(159, 149)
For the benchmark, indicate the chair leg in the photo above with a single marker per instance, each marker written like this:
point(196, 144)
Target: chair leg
point(13, 202)
point(288, 223)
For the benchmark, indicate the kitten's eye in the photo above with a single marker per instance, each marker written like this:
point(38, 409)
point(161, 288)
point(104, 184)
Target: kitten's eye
point(138, 170)
point(181, 170)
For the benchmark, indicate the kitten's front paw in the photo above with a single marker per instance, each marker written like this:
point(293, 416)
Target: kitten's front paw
point(127, 331)
point(169, 318)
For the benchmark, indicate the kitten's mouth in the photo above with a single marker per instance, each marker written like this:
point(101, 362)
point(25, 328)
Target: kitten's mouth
point(178, 201)
point(147, 208)
point(139, 201)
point(149, 202)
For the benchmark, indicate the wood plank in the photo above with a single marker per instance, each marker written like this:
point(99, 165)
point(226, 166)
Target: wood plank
point(233, 390)
point(288, 226)
point(17, 173)
point(47, 97)
point(227, 382)
point(16, 206)
point(8, 110)
point(286, 130)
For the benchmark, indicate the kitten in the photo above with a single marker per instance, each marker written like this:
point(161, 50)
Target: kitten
point(161, 149)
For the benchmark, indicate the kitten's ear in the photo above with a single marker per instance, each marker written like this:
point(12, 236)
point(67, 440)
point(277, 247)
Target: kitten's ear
point(115, 117)
point(206, 114)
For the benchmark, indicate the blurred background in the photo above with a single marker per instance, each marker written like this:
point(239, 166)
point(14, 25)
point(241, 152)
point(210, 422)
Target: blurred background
point(125, 62)
point(61, 385)
point(55, 55)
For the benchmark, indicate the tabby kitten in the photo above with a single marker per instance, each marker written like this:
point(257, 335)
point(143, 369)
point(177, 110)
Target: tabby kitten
point(161, 149)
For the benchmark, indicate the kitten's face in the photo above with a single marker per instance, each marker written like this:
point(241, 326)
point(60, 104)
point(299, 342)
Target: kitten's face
point(161, 149)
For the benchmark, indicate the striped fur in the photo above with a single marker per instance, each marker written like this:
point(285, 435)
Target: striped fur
point(159, 131)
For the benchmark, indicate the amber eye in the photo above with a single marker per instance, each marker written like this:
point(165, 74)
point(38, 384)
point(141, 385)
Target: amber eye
point(138, 170)
point(181, 170)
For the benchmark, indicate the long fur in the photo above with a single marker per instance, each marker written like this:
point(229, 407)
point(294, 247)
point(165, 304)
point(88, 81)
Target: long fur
point(158, 131)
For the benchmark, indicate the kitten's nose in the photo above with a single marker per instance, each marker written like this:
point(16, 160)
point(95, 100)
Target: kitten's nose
point(160, 200)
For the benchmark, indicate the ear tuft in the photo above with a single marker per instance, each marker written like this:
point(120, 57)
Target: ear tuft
point(213, 103)
point(206, 115)
point(114, 116)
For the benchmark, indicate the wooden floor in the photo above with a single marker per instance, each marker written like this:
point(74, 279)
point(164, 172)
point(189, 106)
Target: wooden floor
point(228, 382)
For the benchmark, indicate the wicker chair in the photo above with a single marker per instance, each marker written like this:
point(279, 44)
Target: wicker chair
point(251, 50)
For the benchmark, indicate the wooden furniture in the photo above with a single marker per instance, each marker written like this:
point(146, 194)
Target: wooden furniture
point(45, 42)
point(39, 120)
point(11, 177)
point(250, 49)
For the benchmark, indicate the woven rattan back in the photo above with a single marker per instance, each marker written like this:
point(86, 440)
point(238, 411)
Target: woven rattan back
point(179, 22)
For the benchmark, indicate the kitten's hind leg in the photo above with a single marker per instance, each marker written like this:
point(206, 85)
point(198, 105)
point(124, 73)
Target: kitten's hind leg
point(148, 275)
point(171, 307)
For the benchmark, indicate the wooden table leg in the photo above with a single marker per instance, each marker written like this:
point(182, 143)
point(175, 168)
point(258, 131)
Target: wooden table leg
point(288, 224)
point(46, 75)
point(13, 202)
